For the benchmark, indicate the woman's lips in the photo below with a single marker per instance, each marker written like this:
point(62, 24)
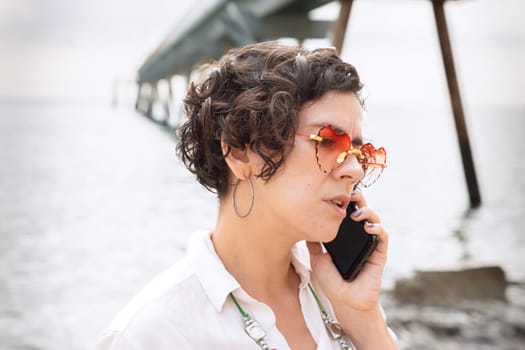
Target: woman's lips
point(339, 210)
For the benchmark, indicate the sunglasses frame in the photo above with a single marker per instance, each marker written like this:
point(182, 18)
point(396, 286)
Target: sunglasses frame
point(358, 152)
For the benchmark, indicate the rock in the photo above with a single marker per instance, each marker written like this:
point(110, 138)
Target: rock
point(515, 317)
point(450, 287)
point(481, 324)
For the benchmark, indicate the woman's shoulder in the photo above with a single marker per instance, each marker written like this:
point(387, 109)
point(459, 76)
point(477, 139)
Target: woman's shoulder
point(164, 287)
point(167, 303)
point(165, 298)
point(154, 311)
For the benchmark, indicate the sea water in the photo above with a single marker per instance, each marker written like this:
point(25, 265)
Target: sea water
point(94, 203)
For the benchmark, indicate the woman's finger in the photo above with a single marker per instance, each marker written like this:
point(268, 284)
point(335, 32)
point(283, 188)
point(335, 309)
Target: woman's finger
point(367, 214)
point(358, 198)
point(379, 254)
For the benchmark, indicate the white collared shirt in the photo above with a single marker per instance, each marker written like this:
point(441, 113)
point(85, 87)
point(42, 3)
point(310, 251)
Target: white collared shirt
point(188, 307)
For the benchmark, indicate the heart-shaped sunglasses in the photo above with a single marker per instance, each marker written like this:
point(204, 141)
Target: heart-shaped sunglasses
point(332, 147)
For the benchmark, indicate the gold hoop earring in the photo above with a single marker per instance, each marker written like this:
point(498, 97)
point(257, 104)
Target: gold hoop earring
point(242, 216)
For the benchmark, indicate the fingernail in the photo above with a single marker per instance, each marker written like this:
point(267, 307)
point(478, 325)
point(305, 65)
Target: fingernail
point(370, 224)
point(356, 214)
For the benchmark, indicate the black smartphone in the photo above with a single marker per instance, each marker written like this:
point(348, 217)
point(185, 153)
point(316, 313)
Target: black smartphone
point(352, 246)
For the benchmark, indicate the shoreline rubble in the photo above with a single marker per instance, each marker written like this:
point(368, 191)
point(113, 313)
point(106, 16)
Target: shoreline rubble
point(465, 309)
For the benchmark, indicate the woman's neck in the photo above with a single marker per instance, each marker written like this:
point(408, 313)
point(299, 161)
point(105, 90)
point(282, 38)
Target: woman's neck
point(257, 254)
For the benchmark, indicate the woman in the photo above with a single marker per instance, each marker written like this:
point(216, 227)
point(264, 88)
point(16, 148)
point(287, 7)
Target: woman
point(275, 131)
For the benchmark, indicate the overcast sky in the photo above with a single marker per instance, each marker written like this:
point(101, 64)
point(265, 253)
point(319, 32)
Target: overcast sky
point(63, 49)
point(75, 49)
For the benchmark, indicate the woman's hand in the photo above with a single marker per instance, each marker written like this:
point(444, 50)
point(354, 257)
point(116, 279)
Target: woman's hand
point(362, 293)
point(356, 303)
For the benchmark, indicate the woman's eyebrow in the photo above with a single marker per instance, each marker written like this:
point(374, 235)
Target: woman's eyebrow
point(357, 141)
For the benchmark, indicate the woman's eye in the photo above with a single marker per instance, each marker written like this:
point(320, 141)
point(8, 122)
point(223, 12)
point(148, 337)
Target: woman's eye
point(327, 142)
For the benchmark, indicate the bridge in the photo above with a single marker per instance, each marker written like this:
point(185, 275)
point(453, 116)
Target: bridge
point(218, 26)
point(223, 24)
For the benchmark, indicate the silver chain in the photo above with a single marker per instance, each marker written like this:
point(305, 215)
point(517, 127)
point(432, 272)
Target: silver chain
point(257, 333)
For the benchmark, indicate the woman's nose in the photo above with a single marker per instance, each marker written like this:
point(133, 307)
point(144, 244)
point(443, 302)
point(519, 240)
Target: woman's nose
point(350, 168)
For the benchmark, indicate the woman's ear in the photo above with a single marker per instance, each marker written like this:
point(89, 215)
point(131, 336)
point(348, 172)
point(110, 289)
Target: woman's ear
point(238, 160)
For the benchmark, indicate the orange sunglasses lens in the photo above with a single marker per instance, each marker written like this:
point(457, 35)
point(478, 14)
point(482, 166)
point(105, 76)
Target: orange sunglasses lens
point(373, 163)
point(332, 144)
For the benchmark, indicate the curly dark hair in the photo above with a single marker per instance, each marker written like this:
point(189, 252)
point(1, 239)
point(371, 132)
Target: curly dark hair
point(251, 99)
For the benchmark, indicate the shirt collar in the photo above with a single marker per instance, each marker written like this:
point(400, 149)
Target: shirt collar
point(218, 283)
point(301, 262)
